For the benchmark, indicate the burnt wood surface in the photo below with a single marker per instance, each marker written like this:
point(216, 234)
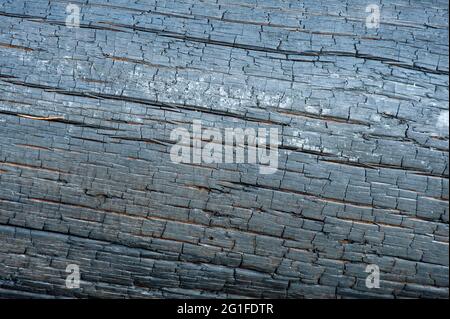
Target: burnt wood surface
point(86, 177)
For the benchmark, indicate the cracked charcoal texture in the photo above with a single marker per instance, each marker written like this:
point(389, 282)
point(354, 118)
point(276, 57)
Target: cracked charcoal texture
point(86, 178)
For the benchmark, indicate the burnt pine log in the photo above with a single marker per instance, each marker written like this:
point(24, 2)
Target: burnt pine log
point(86, 178)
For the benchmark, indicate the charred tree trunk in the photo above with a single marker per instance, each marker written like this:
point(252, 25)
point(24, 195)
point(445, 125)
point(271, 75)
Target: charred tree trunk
point(86, 177)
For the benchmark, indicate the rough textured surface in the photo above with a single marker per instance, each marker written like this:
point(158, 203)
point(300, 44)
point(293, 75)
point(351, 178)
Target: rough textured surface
point(86, 178)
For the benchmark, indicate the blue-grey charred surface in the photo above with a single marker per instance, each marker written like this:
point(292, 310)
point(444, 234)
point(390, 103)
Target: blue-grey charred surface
point(86, 177)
